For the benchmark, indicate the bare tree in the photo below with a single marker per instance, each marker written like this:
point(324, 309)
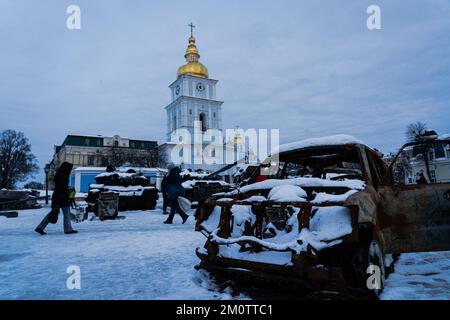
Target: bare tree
point(17, 163)
point(416, 132)
point(402, 168)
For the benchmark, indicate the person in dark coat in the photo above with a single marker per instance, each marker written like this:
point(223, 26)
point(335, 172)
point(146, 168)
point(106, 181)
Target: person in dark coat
point(60, 200)
point(174, 189)
point(421, 179)
point(164, 193)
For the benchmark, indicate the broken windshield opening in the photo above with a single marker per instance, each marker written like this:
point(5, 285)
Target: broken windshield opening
point(422, 163)
point(325, 163)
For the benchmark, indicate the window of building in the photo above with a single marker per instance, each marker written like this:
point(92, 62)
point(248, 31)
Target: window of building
point(203, 121)
point(448, 153)
point(90, 160)
point(214, 115)
point(433, 176)
point(99, 143)
point(116, 143)
point(431, 155)
point(86, 141)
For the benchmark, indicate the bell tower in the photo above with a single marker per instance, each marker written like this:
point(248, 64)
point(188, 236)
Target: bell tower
point(193, 98)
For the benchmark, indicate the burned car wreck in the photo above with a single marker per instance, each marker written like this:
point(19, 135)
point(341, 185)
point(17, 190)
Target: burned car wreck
point(326, 217)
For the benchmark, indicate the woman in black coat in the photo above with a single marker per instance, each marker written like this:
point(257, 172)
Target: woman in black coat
point(60, 200)
point(164, 193)
point(174, 189)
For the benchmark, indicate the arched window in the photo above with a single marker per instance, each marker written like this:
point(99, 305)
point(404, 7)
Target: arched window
point(203, 121)
point(116, 143)
point(174, 124)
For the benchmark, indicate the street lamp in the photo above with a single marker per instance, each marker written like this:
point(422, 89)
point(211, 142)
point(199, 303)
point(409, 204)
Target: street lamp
point(46, 170)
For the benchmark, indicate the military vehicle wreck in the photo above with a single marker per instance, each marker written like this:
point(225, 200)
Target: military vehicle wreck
point(134, 191)
point(329, 214)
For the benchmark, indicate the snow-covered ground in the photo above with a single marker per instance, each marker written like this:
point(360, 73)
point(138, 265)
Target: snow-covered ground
point(141, 258)
point(420, 276)
point(138, 257)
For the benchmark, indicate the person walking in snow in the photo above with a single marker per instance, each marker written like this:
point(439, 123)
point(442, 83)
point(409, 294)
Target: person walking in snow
point(174, 189)
point(164, 189)
point(60, 200)
point(72, 194)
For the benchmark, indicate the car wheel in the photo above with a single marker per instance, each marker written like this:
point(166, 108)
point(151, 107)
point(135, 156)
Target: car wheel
point(368, 263)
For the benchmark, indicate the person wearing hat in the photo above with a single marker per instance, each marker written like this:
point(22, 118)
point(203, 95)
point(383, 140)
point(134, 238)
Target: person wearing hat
point(174, 190)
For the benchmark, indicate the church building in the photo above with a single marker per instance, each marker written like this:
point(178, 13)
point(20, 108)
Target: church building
point(194, 110)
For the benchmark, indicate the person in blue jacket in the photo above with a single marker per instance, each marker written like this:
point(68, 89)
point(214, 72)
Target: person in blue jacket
point(174, 189)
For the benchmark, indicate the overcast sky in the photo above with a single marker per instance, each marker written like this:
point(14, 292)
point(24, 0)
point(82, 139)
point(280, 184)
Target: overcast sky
point(308, 68)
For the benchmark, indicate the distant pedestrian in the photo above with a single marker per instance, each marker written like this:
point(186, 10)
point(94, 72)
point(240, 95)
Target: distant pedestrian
point(164, 193)
point(60, 200)
point(164, 189)
point(72, 194)
point(421, 179)
point(174, 189)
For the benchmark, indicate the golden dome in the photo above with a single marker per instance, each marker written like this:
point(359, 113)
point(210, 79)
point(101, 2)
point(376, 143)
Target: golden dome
point(193, 67)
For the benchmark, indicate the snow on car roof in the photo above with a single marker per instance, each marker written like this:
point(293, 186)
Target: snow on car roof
point(301, 182)
point(334, 140)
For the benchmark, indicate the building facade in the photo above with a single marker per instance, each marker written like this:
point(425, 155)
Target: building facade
point(100, 151)
point(438, 162)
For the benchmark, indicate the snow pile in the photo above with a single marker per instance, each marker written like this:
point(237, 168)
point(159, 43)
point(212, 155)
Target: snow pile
point(330, 223)
point(190, 183)
point(271, 257)
point(322, 197)
point(287, 193)
point(335, 140)
point(212, 223)
point(255, 199)
point(301, 182)
point(225, 199)
point(116, 173)
point(241, 215)
point(96, 186)
point(193, 174)
point(130, 191)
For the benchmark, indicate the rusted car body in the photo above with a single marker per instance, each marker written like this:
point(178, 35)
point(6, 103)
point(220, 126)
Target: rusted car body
point(348, 183)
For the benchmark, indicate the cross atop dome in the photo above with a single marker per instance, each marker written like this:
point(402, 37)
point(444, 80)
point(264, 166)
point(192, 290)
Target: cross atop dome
point(191, 25)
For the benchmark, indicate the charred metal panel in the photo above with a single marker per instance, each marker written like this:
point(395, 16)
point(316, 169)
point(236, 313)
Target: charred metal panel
point(415, 218)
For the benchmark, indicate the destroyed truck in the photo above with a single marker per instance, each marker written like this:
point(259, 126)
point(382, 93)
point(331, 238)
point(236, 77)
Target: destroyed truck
point(201, 185)
point(134, 191)
point(327, 217)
